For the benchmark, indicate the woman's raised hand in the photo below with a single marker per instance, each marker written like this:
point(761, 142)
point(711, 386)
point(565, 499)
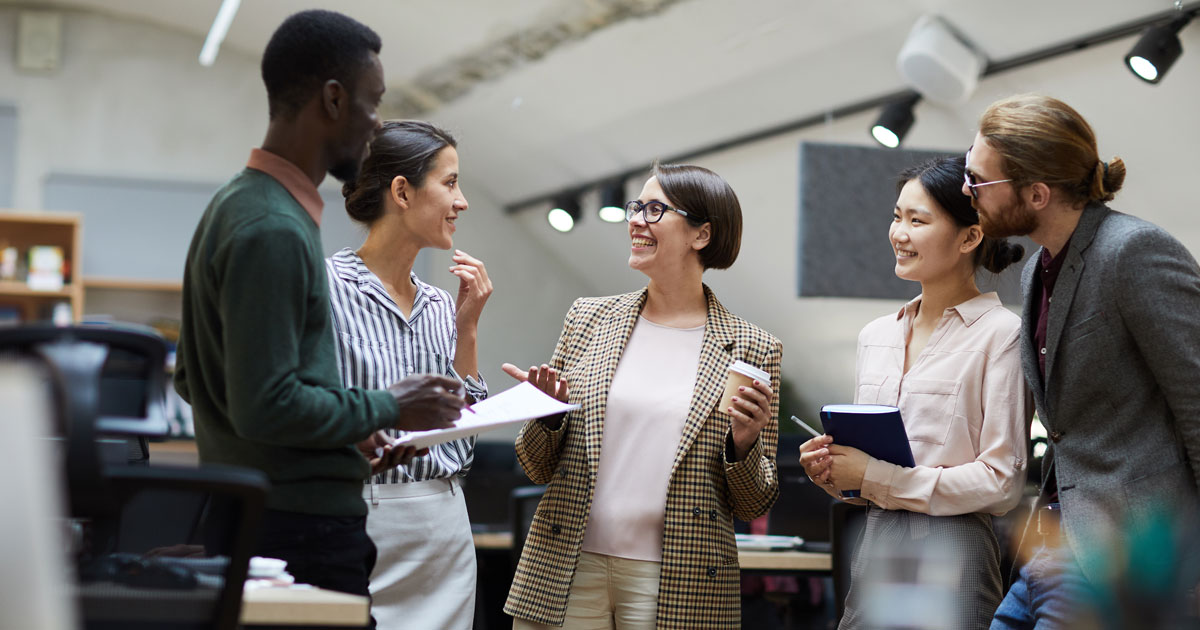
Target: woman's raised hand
point(474, 287)
point(544, 378)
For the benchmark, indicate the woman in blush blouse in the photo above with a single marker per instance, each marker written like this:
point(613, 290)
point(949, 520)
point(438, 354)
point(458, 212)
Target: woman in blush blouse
point(389, 324)
point(950, 361)
point(635, 530)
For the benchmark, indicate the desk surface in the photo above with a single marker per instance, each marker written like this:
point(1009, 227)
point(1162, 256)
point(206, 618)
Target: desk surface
point(303, 606)
point(282, 606)
point(749, 560)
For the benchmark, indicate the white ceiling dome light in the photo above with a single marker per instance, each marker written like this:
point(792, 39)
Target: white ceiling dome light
point(939, 63)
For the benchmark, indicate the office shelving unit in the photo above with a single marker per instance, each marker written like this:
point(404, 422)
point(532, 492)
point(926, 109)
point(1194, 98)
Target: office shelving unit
point(26, 229)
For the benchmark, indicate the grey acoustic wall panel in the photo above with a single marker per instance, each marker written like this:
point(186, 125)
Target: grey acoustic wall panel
point(847, 194)
point(8, 154)
point(135, 229)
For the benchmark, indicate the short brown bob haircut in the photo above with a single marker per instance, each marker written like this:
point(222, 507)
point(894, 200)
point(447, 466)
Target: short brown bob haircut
point(707, 198)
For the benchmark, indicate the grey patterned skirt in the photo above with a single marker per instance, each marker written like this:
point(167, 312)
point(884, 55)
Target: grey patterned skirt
point(914, 570)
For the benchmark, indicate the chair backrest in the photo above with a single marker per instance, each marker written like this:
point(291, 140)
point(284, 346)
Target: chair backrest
point(524, 501)
point(130, 386)
point(846, 524)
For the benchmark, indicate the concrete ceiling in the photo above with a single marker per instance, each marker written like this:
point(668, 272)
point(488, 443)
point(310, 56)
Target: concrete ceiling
point(597, 87)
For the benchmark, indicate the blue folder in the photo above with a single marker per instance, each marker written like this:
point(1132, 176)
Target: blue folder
point(876, 430)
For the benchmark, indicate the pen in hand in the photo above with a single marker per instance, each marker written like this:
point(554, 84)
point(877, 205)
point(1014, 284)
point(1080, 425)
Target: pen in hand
point(805, 426)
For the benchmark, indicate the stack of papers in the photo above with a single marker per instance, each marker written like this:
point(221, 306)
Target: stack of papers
point(761, 542)
point(511, 406)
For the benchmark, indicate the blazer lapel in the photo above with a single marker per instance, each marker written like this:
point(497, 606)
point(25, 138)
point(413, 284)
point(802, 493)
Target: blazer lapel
point(613, 334)
point(1068, 281)
point(1029, 361)
point(716, 352)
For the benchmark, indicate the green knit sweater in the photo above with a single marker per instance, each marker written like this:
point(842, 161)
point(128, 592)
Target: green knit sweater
point(256, 356)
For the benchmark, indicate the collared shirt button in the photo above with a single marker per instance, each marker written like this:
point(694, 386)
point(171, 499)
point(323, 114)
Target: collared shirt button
point(712, 515)
point(695, 511)
point(712, 572)
point(1043, 351)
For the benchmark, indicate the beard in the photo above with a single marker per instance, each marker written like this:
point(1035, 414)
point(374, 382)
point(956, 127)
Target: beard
point(346, 170)
point(1013, 219)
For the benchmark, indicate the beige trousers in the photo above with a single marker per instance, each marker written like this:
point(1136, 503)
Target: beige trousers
point(608, 593)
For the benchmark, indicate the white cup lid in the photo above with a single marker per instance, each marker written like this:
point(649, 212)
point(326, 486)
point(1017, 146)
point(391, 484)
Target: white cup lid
point(753, 372)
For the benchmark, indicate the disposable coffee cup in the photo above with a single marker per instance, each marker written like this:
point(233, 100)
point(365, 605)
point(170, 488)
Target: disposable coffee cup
point(740, 374)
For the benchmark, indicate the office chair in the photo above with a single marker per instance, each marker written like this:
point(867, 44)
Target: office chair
point(110, 380)
point(846, 524)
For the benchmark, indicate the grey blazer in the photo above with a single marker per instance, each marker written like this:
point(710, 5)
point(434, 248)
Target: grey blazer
point(1121, 397)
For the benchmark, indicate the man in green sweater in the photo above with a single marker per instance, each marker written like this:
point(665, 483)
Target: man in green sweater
point(256, 356)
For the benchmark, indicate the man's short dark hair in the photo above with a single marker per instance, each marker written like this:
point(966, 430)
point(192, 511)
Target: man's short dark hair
point(310, 48)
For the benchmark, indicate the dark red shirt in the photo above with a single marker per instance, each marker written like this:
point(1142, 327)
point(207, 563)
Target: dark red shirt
point(1046, 275)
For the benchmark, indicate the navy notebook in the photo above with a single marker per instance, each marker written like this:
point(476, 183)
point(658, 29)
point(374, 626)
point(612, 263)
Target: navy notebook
point(876, 430)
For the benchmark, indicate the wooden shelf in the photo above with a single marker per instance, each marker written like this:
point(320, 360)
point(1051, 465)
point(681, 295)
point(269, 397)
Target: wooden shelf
point(69, 219)
point(20, 289)
point(126, 284)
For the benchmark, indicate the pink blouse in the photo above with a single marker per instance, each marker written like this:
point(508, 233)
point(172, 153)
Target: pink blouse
point(965, 405)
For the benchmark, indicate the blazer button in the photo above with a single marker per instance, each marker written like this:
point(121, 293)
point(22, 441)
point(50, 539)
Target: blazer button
point(695, 511)
point(1055, 436)
point(712, 515)
point(712, 572)
point(555, 529)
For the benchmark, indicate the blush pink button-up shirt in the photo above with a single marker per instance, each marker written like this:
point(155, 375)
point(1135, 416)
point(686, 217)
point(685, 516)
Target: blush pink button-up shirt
point(965, 405)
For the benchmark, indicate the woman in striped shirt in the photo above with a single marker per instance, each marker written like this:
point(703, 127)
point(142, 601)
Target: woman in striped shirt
point(388, 325)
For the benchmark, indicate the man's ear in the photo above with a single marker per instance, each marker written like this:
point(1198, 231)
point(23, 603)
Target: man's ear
point(400, 191)
point(333, 98)
point(1037, 195)
point(703, 236)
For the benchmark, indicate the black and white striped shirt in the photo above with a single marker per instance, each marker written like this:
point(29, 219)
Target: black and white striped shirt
point(377, 346)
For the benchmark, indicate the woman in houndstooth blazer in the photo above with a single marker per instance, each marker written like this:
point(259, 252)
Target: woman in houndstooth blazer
point(635, 529)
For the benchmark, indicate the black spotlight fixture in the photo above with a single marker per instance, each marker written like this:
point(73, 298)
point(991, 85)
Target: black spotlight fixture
point(894, 122)
point(612, 202)
point(1156, 50)
point(565, 212)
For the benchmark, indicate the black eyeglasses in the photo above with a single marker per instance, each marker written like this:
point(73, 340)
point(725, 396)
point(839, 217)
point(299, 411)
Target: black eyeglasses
point(652, 211)
point(973, 182)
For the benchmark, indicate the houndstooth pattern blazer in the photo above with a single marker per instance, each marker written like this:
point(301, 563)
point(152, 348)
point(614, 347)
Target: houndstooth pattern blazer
point(699, 580)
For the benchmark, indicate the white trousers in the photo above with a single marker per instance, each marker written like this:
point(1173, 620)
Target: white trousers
point(424, 577)
point(608, 593)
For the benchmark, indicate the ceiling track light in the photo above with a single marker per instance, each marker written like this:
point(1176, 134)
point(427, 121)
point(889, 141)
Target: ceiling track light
point(1157, 50)
point(894, 122)
point(612, 202)
point(216, 34)
point(565, 213)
